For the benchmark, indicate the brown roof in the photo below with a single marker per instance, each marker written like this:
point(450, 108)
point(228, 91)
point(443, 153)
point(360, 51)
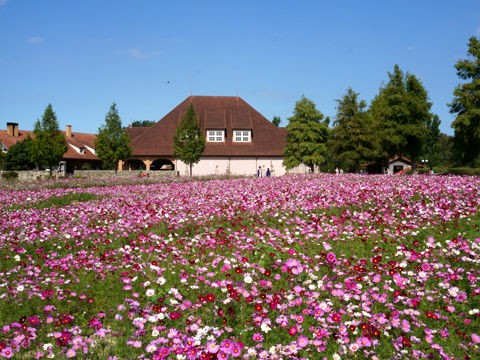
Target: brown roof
point(214, 113)
point(400, 158)
point(79, 140)
point(135, 131)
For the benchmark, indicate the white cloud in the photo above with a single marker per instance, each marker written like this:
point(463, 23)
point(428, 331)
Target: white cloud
point(34, 39)
point(138, 54)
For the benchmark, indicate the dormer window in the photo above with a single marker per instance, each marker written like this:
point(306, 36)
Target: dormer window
point(242, 135)
point(78, 149)
point(215, 135)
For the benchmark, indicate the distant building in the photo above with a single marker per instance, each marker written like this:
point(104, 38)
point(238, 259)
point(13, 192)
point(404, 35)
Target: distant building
point(80, 146)
point(239, 140)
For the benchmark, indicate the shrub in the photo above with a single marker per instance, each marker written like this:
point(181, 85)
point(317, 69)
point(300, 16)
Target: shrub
point(464, 171)
point(9, 175)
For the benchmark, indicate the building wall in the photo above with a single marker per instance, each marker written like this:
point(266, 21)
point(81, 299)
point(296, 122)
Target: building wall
point(397, 163)
point(242, 166)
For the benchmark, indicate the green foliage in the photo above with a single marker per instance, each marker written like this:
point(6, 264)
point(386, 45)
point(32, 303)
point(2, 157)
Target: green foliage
point(49, 145)
point(188, 142)
point(143, 123)
point(469, 171)
point(466, 105)
point(307, 136)
point(64, 200)
point(19, 157)
point(2, 158)
point(276, 120)
point(350, 143)
point(9, 175)
point(112, 143)
point(400, 113)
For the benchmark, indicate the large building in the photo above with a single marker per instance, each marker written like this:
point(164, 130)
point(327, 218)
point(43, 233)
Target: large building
point(239, 139)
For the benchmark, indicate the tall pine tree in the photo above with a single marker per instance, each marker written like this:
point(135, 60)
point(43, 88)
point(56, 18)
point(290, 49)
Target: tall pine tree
point(307, 136)
point(466, 105)
point(188, 142)
point(49, 145)
point(400, 113)
point(350, 142)
point(112, 143)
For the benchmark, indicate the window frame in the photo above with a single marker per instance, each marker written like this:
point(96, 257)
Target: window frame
point(215, 135)
point(242, 135)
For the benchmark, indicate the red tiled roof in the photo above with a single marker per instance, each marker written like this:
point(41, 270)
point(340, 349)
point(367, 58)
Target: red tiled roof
point(214, 113)
point(9, 141)
point(79, 140)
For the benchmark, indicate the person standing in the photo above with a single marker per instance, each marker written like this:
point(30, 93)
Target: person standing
point(259, 172)
point(267, 174)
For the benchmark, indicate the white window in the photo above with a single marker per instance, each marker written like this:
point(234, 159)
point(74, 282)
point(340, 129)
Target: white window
point(242, 135)
point(215, 135)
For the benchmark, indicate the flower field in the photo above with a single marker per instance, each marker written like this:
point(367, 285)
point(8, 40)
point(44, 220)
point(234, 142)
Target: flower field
point(295, 267)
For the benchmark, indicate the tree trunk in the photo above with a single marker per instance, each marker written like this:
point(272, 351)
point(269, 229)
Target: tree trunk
point(414, 167)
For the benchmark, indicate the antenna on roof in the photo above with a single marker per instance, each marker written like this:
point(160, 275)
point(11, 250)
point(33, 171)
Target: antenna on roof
point(236, 78)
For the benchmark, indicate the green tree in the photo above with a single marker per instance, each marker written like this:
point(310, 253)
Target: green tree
point(143, 123)
point(188, 142)
point(19, 156)
point(49, 144)
point(350, 142)
point(2, 159)
point(276, 120)
point(307, 136)
point(443, 155)
point(430, 150)
point(112, 143)
point(400, 113)
point(466, 105)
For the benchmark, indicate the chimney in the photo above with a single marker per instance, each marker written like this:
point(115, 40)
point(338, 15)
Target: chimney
point(68, 131)
point(12, 129)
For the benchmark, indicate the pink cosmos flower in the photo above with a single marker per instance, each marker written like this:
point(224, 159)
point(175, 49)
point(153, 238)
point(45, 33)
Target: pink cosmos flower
point(302, 341)
point(405, 325)
point(331, 257)
point(70, 353)
point(476, 338)
point(226, 347)
point(257, 337)
point(7, 352)
point(222, 355)
point(426, 266)
point(236, 350)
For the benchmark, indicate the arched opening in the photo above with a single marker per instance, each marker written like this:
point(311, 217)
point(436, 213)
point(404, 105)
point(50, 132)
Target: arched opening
point(162, 164)
point(135, 164)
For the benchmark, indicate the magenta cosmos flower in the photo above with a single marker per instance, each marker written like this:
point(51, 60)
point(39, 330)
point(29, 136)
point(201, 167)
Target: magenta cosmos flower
point(257, 337)
point(331, 257)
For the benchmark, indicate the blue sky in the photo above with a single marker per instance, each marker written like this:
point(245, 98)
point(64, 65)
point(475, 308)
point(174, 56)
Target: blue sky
point(148, 56)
